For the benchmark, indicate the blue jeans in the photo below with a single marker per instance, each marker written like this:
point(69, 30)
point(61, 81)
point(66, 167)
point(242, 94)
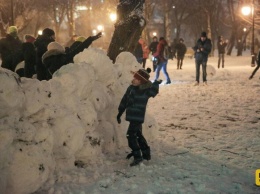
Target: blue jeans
point(162, 65)
point(204, 70)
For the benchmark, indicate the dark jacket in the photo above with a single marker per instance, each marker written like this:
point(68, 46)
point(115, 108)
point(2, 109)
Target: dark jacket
point(221, 47)
point(160, 50)
point(153, 47)
point(41, 44)
point(10, 51)
point(74, 45)
point(138, 53)
point(204, 48)
point(54, 59)
point(135, 100)
point(180, 49)
point(29, 56)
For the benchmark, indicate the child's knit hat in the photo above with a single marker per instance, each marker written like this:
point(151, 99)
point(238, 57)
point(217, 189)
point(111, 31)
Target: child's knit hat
point(142, 75)
point(12, 29)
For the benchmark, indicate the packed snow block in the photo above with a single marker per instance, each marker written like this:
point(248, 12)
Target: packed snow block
point(101, 63)
point(150, 128)
point(100, 97)
point(211, 71)
point(6, 136)
point(127, 58)
point(111, 138)
point(69, 136)
point(11, 93)
point(37, 94)
point(82, 85)
point(91, 152)
point(86, 112)
point(30, 167)
point(26, 156)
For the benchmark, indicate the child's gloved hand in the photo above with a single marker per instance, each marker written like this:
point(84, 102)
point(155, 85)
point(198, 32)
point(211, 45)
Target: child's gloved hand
point(118, 118)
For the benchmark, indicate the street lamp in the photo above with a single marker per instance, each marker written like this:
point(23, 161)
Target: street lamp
point(113, 17)
point(246, 11)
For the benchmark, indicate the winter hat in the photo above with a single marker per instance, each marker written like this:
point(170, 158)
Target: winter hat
point(29, 38)
point(55, 46)
point(81, 39)
point(142, 75)
point(12, 30)
point(181, 39)
point(48, 32)
point(203, 34)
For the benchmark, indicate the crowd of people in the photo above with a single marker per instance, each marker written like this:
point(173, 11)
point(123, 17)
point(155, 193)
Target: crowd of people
point(40, 56)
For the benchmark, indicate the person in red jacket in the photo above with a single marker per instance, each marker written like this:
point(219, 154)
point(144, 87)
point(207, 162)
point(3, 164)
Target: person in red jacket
point(162, 60)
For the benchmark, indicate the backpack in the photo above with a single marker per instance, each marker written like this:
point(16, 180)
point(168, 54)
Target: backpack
point(166, 52)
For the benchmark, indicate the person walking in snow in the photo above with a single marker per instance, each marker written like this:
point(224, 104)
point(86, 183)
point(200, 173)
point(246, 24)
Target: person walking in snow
point(221, 50)
point(202, 50)
point(55, 56)
point(162, 60)
point(181, 49)
point(134, 102)
point(152, 48)
point(146, 51)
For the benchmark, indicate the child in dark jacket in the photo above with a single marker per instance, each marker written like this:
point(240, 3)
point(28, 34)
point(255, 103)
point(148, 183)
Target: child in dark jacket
point(134, 103)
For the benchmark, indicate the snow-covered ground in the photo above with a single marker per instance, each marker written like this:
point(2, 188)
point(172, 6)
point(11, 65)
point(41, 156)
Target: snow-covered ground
point(61, 136)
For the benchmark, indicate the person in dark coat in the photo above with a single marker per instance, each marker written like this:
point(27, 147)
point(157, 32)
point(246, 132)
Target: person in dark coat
point(29, 55)
point(221, 50)
point(202, 50)
point(41, 43)
point(56, 57)
point(26, 68)
point(239, 47)
point(152, 48)
point(181, 49)
point(77, 42)
point(134, 102)
point(11, 49)
point(138, 52)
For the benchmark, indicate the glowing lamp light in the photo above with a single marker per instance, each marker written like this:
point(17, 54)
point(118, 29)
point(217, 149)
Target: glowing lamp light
point(100, 28)
point(39, 32)
point(246, 10)
point(154, 33)
point(94, 32)
point(113, 17)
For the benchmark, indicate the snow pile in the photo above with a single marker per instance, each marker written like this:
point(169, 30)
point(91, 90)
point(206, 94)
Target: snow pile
point(50, 127)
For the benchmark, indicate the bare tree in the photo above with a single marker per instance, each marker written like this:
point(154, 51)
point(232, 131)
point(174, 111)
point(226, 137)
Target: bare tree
point(128, 28)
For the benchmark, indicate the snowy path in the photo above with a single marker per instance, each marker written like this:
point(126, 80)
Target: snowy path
point(208, 139)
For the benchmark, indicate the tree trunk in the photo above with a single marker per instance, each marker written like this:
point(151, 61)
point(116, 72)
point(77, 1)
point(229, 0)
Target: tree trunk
point(70, 15)
point(128, 27)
